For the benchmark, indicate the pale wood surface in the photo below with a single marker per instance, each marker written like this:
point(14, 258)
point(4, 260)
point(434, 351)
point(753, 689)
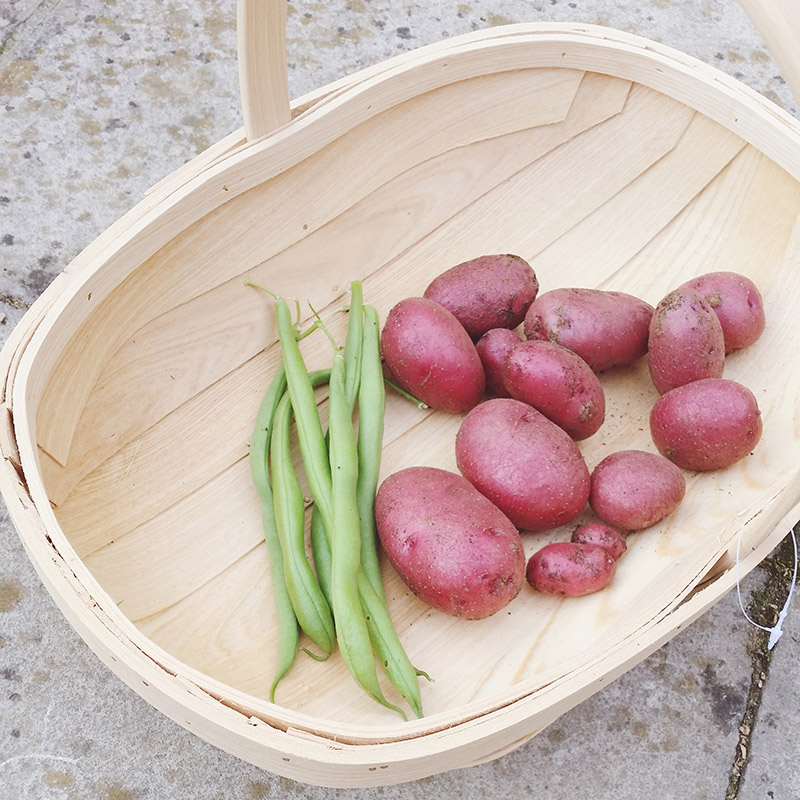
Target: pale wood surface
point(136, 386)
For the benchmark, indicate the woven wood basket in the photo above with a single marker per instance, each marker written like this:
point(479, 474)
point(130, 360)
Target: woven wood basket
point(131, 386)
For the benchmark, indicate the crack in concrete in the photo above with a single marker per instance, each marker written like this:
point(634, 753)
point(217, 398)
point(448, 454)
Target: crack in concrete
point(764, 609)
point(18, 33)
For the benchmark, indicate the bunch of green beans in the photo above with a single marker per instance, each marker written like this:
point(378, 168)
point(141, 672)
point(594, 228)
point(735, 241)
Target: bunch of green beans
point(340, 599)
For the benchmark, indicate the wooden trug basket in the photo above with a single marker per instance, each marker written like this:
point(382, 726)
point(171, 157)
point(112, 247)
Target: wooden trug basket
point(131, 385)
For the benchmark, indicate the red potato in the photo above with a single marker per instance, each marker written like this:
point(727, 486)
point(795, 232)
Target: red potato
point(571, 569)
point(685, 341)
point(452, 547)
point(706, 425)
point(737, 303)
point(492, 291)
point(525, 464)
point(633, 489)
point(610, 539)
point(557, 382)
point(431, 355)
point(493, 347)
point(606, 329)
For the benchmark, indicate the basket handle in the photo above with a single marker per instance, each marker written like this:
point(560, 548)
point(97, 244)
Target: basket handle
point(264, 75)
point(778, 22)
point(263, 68)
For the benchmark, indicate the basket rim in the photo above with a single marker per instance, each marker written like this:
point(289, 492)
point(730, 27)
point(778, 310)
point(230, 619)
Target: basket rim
point(736, 106)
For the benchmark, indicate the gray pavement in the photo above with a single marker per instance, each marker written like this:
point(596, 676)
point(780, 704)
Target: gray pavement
point(102, 98)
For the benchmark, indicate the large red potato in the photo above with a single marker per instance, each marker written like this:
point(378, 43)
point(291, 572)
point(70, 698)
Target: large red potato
point(706, 425)
point(570, 569)
point(430, 355)
point(452, 547)
point(685, 341)
point(736, 301)
point(557, 382)
point(633, 489)
point(526, 465)
point(492, 291)
point(606, 329)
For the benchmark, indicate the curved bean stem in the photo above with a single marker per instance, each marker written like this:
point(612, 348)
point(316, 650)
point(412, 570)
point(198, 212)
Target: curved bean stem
point(288, 629)
point(310, 606)
point(354, 344)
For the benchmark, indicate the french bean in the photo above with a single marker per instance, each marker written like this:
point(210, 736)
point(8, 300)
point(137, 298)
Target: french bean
point(288, 629)
point(371, 407)
point(310, 606)
point(352, 631)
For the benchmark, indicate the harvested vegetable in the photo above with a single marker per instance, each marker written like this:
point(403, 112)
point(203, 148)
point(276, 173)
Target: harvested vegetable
point(685, 341)
point(634, 489)
point(451, 546)
point(492, 291)
point(736, 301)
point(606, 329)
point(610, 539)
point(526, 465)
point(492, 348)
point(706, 425)
point(431, 355)
point(557, 382)
point(570, 569)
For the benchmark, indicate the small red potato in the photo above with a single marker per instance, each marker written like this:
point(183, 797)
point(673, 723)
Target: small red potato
point(610, 539)
point(493, 347)
point(557, 382)
point(606, 329)
point(632, 489)
point(737, 303)
point(571, 569)
point(431, 355)
point(685, 341)
point(452, 547)
point(706, 425)
point(526, 465)
point(492, 291)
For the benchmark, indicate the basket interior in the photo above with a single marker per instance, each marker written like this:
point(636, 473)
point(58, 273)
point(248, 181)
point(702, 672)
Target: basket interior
point(144, 425)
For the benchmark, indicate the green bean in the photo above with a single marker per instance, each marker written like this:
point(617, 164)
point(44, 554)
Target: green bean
point(399, 669)
point(309, 427)
point(310, 606)
point(354, 344)
point(352, 631)
point(288, 630)
point(371, 407)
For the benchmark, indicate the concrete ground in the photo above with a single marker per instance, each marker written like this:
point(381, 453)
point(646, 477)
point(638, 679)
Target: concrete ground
point(100, 99)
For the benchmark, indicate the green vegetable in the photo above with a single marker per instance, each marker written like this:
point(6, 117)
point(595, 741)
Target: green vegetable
point(310, 606)
point(288, 631)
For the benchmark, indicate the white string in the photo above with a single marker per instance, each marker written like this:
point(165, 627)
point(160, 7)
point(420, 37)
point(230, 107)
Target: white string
point(776, 631)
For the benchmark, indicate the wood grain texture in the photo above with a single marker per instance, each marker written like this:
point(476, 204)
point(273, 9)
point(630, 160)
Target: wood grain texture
point(132, 425)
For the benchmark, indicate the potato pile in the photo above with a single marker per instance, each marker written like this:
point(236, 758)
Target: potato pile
point(527, 399)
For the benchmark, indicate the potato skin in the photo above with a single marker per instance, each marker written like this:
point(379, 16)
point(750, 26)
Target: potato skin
point(430, 355)
point(706, 425)
point(738, 304)
point(492, 291)
point(557, 382)
point(606, 329)
point(610, 539)
point(452, 547)
point(570, 569)
point(526, 465)
point(493, 347)
point(685, 341)
point(633, 489)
